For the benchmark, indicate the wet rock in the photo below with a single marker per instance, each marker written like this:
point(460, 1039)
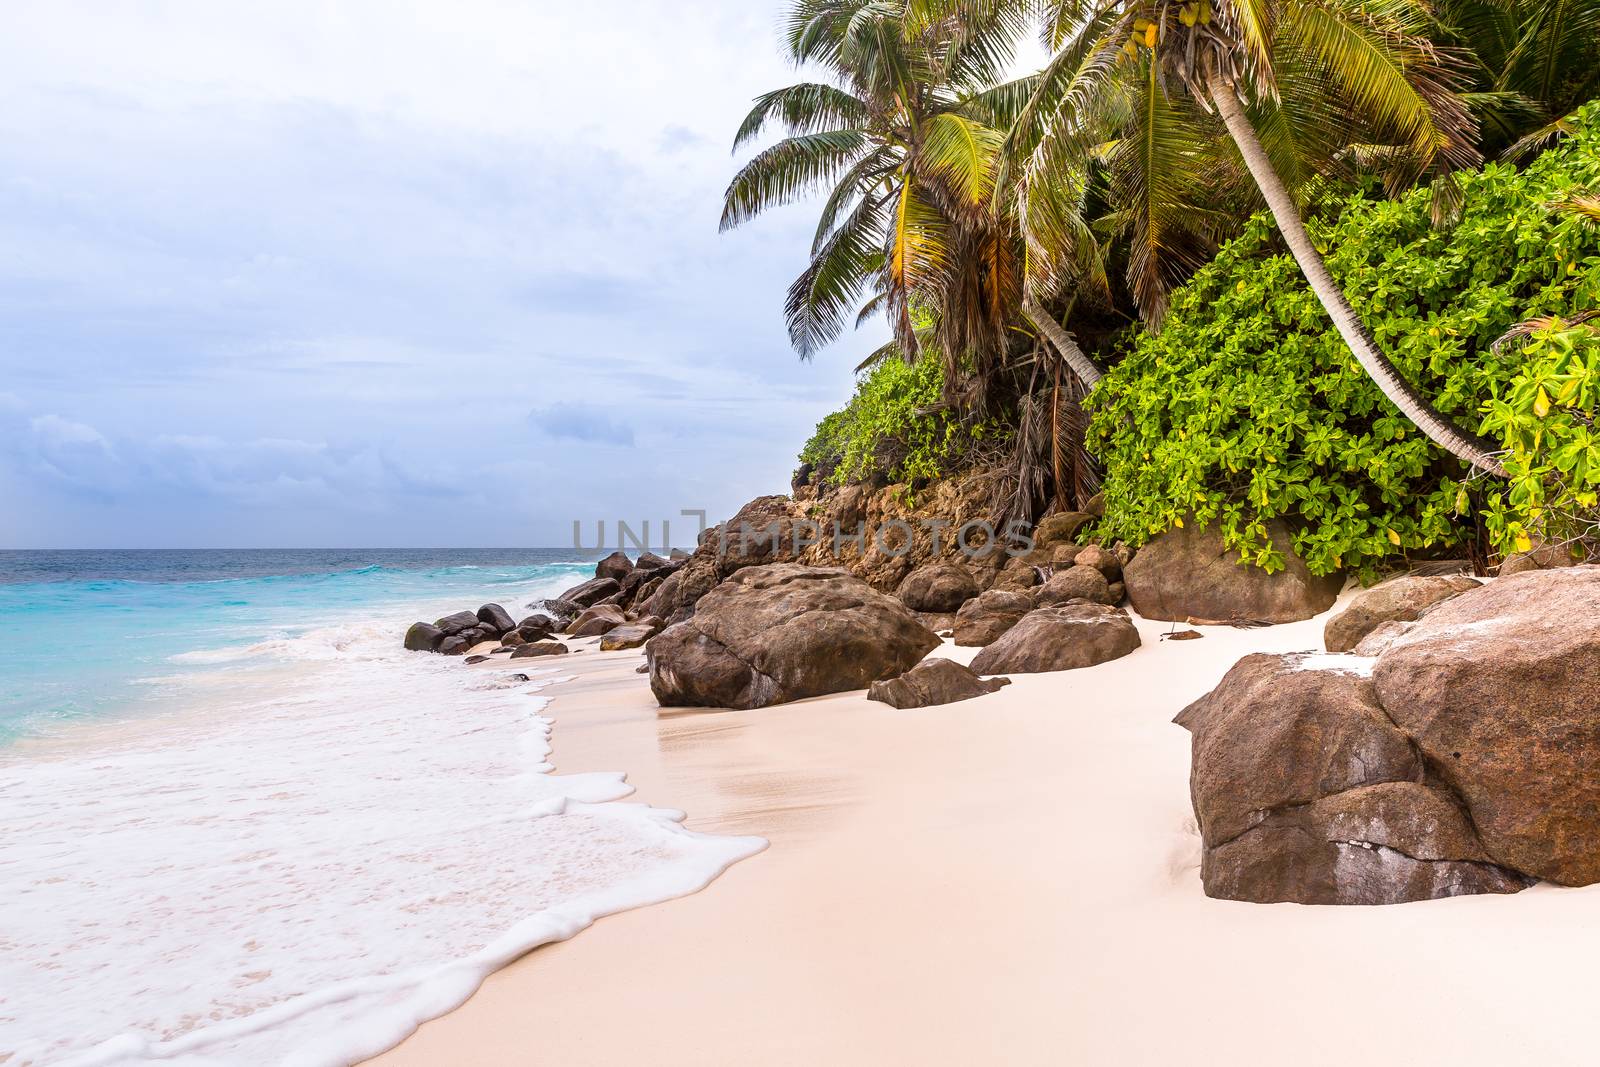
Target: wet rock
point(931, 682)
point(423, 637)
point(454, 645)
point(513, 639)
point(615, 566)
point(591, 592)
point(496, 618)
point(470, 660)
point(597, 620)
point(451, 625)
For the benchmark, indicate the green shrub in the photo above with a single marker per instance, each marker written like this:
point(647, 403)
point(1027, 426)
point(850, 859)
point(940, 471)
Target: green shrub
point(1546, 419)
point(894, 427)
point(1248, 406)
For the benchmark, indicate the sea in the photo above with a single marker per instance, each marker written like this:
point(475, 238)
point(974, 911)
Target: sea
point(239, 824)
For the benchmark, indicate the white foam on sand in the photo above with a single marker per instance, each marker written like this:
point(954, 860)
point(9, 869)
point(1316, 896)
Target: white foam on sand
point(1342, 662)
point(341, 842)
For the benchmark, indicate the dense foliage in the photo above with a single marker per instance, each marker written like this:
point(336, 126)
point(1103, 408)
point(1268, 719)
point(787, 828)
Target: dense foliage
point(1247, 406)
point(894, 429)
point(1546, 417)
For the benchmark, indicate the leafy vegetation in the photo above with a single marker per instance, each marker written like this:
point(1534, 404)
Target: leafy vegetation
point(1247, 405)
point(1546, 418)
point(895, 429)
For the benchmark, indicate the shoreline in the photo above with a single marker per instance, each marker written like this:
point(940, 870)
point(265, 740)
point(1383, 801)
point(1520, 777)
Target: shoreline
point(1010, 879)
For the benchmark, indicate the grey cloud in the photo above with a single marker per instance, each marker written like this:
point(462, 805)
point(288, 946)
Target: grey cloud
point(581, 422)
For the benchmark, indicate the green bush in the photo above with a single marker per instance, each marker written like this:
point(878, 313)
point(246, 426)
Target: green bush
point(894, 427)
point(1247, 406)
point(1546, 418)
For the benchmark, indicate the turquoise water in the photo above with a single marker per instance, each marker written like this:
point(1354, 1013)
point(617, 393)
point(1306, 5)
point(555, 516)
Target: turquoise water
point(94, 633)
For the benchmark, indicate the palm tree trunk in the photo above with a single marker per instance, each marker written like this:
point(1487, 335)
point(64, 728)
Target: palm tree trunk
point(1466, 446)
point(1062, 342)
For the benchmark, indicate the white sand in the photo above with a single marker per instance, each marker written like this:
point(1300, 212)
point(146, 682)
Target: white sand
point(1009, 880)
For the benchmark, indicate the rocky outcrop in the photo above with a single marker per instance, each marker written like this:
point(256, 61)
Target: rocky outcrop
point(1402, 599)
point(780, 632)
point(931, 682)
point(983, 619)
point(496, 618)
point(615, 566)
point(592, 592)
point(938, 587)
point(1060, 638)
point(1305, 790)
point(424, 637)
point(600, 619)
point(1459, 758)
point(1186, 575)
point(1500, 690)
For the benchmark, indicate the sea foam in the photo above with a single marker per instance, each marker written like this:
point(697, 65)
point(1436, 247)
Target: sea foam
point(336, 841)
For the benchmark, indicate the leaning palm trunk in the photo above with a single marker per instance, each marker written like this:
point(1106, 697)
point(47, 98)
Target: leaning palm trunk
point(1077, 359)
point(1465, 446)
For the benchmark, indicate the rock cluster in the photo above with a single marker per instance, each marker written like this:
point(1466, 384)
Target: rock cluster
point(455, 635)
point(1452, 754)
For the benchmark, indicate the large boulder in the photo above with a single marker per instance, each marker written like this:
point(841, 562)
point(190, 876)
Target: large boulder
point(1077, 582)
point(451, 625)
point(496, 618)
point(591, 592)
point(424, 637)
point(934, 681)
point(1060, 638)
point(993, 612)
point(1306, 791)
point(1185, 574)
point(1402, 599)
point(600, 619)
point(1101, 559)
point(1500, 689)
point(938, 587)
point(615, 566)
point(780, 632)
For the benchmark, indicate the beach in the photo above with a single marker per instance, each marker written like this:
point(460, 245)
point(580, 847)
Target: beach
point(1011, 879)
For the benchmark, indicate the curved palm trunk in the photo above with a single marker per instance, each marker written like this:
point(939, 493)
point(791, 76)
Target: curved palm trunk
point(1062, 342)
point(1467, 447)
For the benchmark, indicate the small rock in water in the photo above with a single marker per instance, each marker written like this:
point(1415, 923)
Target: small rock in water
point(539, 648)
point(476, 659)
point(454, 646)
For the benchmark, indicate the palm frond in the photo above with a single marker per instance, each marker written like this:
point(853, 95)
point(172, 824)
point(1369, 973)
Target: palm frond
point(789, 170)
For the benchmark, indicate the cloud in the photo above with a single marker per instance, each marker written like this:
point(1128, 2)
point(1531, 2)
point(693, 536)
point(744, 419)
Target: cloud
point(581, 422)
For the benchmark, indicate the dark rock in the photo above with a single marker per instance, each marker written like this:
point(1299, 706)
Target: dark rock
point(1077, 582)
point(649, 561)
point(423, 637)
point(559, 612)
point(1186, 575)
point(777, 633)
point(513, 639)
point(1306, 791)
point(455, 645)
point(1402, 599)
point(536, 626)
point(643, 668)
point(591, 592)
point(502, 650)
point(982, 620)
point(934, 681)
point(938, 587)
point(1500, 689)
point(451, 625)
point(678, 554)
point(476, 659)
point(496, 618)
point(1061, 638)
point(539, 648)
point(615, 566)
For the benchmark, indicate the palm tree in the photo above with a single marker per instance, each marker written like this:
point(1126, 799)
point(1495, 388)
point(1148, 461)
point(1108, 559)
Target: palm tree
point(904, 141)
point(1365, 74)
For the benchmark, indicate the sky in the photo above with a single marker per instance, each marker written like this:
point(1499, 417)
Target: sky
point(368, 274)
